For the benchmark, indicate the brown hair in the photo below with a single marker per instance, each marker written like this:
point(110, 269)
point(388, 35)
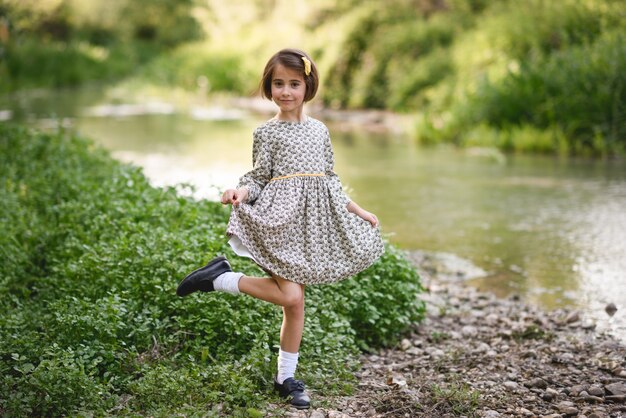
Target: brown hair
point(292, 59)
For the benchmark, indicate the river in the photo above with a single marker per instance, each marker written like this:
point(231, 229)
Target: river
point(550, 229)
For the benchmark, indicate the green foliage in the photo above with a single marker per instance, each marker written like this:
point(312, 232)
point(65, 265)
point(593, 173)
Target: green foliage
point(92, 256)
point(68, 43)
point(187, 65)
point(31, 63)
point(581, 90)
point(540, 76)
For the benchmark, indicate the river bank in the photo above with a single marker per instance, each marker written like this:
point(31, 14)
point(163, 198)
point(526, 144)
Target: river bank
point(477, 355)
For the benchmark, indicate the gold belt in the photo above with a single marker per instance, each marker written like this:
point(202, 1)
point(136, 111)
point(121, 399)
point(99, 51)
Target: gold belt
point(299, 175)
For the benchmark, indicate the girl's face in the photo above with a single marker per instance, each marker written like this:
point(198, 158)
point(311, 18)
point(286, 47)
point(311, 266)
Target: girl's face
point(288, 90)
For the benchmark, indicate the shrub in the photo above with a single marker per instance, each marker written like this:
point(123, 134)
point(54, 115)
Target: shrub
point(93, 255)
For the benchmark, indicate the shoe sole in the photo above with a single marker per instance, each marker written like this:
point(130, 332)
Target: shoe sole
point(209, 264)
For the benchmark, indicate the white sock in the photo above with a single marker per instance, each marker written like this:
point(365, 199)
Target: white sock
point(287, 363)
point(228, 282)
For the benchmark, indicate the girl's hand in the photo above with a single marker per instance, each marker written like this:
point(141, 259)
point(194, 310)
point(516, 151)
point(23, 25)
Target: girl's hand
point(369, 217)
point(235, 196)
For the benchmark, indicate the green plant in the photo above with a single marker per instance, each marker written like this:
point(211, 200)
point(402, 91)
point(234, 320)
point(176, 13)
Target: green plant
point(455, 398)
point(93, 255)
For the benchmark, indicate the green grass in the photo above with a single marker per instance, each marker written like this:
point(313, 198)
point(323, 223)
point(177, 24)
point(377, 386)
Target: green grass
point(89, 320)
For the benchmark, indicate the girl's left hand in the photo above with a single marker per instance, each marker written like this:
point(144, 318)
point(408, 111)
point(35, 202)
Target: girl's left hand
point(369, 217)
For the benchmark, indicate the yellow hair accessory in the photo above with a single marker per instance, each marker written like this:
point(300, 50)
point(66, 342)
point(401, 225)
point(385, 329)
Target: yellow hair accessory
point(307, 65)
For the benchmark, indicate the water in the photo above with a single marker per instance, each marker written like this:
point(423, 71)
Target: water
point(550, 229)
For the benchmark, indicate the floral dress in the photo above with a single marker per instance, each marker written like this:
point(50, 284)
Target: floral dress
point(295, 223)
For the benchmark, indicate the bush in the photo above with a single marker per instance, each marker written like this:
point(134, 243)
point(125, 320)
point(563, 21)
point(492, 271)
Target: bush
point(93, 255)
point(577, 90)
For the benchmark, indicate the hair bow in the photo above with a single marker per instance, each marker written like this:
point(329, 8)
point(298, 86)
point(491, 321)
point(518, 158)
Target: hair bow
point(307, 65)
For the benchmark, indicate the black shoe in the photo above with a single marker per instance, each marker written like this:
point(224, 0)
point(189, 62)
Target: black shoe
point(202, 279)
point(295, 389)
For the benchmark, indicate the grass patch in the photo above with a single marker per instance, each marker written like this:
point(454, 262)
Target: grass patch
point(456, 398)
point(92, 257)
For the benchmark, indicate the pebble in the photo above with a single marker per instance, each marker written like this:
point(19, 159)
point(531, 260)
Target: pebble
point(538, 383)
point(611, 309)
point(405, 344)
point(572, 317)
point(596, 390)
point(552, 392)
point(482, 347)
point(569, 411)
point(576, 389)
point(469, 331)
point(591, 398)
point(510, 385)
point(559, 371)
point(588, 324)
point(618, 388)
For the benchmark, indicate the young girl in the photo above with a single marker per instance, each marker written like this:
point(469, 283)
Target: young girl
point(290, 215)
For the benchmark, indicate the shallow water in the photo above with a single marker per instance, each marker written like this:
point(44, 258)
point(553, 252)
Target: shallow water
point(553, 230)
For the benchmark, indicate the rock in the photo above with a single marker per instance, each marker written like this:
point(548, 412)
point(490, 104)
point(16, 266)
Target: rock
point(569, 412)
point(414, 351)
point(618, 388)
point(489, 413)
point(482, 347)
point(525, 412)
point(437, 354)
point(610, 309)
point(592, 399)
point(491, 353)
point(548, 397)
point(588, 324)
point(576, 389)
point(538, 383)
point(564, 404)
point(572, 317)
point(529, 354)
point(510, 385)
point(596, 390)
point(469, 331)
point(616, 398)
point(317, 414)
point(552, 392)
point(567, 408)
point(405, 344)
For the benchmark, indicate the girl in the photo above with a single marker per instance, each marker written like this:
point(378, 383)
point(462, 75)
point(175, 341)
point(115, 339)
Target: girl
point(290, 215)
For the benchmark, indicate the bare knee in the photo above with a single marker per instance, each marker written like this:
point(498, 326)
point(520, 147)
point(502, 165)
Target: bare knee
point(293, 294)
point(294, 299)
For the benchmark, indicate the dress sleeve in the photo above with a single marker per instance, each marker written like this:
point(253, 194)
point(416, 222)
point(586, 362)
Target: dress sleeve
point(257, 178)
point(333, 179)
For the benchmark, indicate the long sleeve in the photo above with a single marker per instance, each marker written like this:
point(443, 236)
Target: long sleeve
point(333, 179)
point(257, 178)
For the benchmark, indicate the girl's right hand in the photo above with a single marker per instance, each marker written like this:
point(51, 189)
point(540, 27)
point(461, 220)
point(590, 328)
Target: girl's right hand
point(235, 196)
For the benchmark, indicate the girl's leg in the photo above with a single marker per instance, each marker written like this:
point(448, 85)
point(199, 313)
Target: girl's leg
point(291, 297)
point(287, 294)
point(272, 289)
